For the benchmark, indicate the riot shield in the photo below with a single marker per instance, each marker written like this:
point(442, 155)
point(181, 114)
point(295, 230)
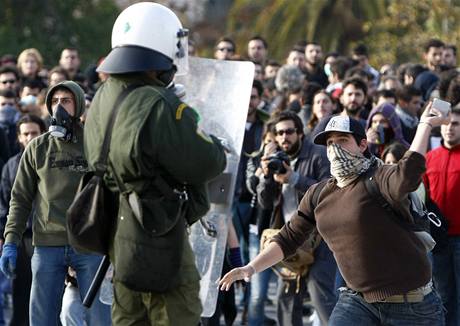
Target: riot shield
point(220, 92)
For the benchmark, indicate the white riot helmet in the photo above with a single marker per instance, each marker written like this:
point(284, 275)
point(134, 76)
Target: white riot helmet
point(147, 36)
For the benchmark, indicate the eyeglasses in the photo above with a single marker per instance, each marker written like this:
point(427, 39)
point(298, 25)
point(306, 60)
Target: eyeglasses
point(289, 131)
point(63, 100)
point(8, 81)
point(225, 49)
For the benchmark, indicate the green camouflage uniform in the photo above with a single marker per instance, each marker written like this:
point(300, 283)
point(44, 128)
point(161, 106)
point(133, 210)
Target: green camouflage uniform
point(154, 133)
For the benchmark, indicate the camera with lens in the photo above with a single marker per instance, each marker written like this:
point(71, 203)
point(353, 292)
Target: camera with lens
point(275, 162)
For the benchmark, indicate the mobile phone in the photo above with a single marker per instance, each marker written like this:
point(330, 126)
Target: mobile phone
point(441, 106)
point(381, 134)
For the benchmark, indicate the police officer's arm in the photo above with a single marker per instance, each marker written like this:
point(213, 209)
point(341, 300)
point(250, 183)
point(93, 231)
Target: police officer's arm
point(22, 197)
point(185, 151)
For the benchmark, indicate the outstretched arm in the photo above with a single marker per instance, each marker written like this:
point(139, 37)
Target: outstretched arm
point(265, 259)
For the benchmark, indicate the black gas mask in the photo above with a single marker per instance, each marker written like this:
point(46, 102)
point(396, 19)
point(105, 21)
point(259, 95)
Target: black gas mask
point(61, 124)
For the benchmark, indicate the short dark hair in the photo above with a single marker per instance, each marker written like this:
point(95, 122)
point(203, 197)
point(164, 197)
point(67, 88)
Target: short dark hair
point(8, 93)
point(452, 47)
point(308, 92)
point(70, 48)
point(359, 72)
point(385, 93)
point(357, 83)
point(297, 48)
point(259, 38)
point(273, 63)
point(453, 93)
point(340, 66)
point(228, 40)
point(31, 83)
point(258, 86)
point(312, 43)
point(59, 70)
point(396, 149)
point(433, 43)
point(9, 69)
point(407, 92)
point(30, 118)
point(285, 116)
point(361, 49)
point(414, 69)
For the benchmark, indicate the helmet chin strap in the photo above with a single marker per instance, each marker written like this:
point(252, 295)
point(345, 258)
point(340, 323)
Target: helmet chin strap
point(167, 76)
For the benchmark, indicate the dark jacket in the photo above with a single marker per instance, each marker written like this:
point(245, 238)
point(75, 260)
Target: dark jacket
point(251, 143)
point(6, 184)
point(312, 165)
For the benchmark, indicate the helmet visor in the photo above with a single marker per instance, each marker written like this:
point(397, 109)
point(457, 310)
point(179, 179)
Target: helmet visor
point(181, 57)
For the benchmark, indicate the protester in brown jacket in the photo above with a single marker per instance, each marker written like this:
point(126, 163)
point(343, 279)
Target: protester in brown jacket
point(385, 266)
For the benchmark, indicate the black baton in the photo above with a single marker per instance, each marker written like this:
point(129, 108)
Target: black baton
point(97, 281)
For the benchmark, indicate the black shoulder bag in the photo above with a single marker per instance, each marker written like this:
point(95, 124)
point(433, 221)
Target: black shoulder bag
point(92, 214)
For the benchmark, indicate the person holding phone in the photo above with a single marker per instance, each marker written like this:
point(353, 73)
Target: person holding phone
point(383, 129)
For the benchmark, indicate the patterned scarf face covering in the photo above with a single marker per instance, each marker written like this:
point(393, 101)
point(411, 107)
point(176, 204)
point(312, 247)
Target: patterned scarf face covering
point(345, 166)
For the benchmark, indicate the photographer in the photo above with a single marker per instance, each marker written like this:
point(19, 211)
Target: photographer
point(290, 166)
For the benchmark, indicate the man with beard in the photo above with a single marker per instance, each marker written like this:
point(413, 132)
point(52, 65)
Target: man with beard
point(281, 190)
point(353, 98)
point(314, 71)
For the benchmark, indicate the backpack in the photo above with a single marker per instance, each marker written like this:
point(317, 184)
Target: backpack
point(292, 268)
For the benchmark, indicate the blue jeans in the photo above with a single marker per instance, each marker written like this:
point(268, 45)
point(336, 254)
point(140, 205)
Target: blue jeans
point(446, 276)
point(353, 310)
point(259, 284)
point(49, 268)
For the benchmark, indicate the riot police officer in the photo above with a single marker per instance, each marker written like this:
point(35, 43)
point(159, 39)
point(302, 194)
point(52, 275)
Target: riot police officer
point(157, 149)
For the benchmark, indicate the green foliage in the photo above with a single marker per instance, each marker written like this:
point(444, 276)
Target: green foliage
point(332, 23)
point(399, 35)
point(51, 25)
point(394, 30)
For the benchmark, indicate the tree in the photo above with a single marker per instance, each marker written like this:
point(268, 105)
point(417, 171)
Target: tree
point(332, 23)
point(400, 34)
point(51, 25)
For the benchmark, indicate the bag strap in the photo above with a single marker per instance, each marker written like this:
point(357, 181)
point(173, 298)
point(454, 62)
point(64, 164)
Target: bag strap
point(373, 190)
point(101, 164)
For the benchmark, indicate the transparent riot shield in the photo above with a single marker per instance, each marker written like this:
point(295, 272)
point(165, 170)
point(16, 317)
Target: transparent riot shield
point(220, 92)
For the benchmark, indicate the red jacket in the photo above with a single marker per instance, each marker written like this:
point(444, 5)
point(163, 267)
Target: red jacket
point(442, 179)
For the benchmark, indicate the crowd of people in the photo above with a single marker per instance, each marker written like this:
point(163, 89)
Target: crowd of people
point(300, 96)
point(291, 103)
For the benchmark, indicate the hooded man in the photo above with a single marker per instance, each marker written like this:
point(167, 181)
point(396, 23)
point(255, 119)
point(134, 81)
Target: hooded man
point(48, 176)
